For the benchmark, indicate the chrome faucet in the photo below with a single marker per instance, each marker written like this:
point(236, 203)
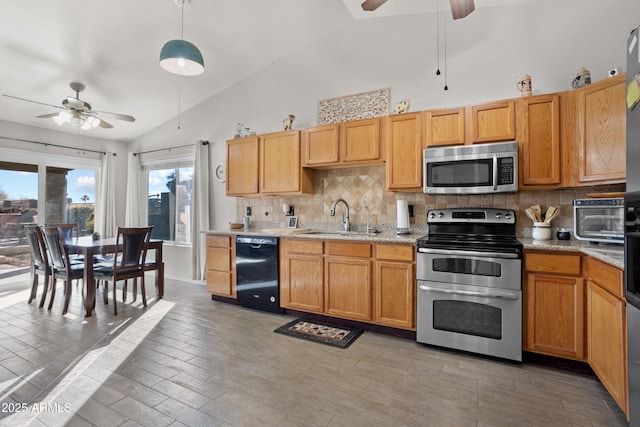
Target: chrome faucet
point(345, 216)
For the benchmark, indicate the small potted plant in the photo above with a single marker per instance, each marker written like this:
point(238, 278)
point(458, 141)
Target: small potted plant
point(96, 236)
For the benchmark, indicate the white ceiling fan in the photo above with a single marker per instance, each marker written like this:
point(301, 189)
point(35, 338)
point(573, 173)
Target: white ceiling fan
point(77, 112)
point(459, 8)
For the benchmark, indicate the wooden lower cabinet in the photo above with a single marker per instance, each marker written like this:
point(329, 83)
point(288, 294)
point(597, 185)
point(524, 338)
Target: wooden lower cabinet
point(606, 330)
point(554, 305)
point(555, 315)
point(302, 275)
point(348, 278)
point(394, 286)
point(373, 283)
point(348, 288)
point(220, 268)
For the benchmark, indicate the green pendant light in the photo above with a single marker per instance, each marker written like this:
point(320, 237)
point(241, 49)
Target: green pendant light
point(180, 56)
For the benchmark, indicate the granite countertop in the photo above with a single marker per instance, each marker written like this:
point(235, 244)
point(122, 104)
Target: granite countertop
point(609, 253)
point(382, 237)
point(612, 254)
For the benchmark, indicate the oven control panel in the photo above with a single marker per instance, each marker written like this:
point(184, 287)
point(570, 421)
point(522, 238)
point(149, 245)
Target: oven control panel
point(471, 215)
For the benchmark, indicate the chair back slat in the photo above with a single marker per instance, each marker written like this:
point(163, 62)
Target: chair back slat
point(37, 246)
point(53, 241)
point(66, 230)
point(135, 242)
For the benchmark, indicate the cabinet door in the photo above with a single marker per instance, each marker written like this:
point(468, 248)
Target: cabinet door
point(444, 127)
point(602, 131)
point(321, 145)
point(606, 327)
point(360, 140)
point(555, 315)
point(302, 285)
point(539, 141)
point(404, 152)
point(280, 168)
point(394, 294)
point(242, 166)
point(492, 122)
point(348, 287)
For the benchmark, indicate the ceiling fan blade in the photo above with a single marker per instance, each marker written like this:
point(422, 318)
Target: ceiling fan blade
point(461, 8)
point(47, 116)
point(371, 5)
point(125, 117)
point(35, 102)
point(104, 124)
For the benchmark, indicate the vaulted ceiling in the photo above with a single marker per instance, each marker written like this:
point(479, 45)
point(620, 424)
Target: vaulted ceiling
point(113, 48)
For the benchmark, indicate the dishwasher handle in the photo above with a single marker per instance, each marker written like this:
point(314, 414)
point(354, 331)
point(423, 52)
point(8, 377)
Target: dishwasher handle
point(257, 242)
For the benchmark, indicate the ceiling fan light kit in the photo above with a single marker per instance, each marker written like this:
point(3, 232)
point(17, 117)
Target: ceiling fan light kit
point(180, 56)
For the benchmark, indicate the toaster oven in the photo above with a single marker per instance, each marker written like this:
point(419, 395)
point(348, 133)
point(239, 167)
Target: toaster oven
point(599, 220)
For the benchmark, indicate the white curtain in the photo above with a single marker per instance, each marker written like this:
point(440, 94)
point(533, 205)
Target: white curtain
point(106, 221)
point(135, 206)
point(200, 208)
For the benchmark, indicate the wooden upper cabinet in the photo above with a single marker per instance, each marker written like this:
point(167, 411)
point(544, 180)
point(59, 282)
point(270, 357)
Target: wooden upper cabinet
point(321, 145)
point(343, 144)
point(539, 141)
point(444, 127)
point(601, 131)
point(242, 166)
point(360, 140)
point(280, 168)
point(491, 122)
point(403, 136)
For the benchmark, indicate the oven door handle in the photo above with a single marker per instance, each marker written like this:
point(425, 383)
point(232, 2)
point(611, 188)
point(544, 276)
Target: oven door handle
point(469, 293)
point(467, 253)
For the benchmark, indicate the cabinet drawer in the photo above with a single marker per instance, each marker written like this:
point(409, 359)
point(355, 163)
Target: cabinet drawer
point(360, 250)
point(606, 275)
point(555, 263)
point(395, 252)
point(218, 241)
point(219, 282)
point(218, 259)
point(304, 246)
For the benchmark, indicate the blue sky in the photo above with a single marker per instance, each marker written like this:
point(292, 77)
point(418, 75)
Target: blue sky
point(24, 185)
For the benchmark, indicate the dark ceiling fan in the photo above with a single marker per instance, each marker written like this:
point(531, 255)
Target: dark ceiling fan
point(77, 112)
point(459, 8)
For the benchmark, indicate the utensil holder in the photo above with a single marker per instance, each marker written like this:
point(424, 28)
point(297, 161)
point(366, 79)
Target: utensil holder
point(541, 231)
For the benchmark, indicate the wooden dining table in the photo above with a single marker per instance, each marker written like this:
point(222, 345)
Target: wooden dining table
point(86, 246)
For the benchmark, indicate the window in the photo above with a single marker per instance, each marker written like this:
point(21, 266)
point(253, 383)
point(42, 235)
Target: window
point(170, 202)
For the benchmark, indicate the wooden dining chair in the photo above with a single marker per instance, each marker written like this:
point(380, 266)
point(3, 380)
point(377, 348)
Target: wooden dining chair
point(127, 265)
point(40, 265)
point(68, 230)
point(62, 267)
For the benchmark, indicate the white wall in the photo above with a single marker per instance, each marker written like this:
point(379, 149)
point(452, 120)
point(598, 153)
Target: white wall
point(486, 54)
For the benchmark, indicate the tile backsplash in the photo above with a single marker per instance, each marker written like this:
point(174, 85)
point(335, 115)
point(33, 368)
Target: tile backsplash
point(364, 187)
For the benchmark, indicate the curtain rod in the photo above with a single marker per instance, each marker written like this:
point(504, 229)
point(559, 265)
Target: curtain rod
point(54, 145)
point(169, 148)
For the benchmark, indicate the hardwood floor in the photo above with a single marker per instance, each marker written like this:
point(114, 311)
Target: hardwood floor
point(186, 360)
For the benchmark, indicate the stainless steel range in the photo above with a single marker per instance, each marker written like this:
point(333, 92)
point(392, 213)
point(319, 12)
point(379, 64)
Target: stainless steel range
point(469, 278)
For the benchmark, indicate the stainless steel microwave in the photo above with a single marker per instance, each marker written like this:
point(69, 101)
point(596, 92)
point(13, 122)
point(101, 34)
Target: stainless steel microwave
point(471, 169)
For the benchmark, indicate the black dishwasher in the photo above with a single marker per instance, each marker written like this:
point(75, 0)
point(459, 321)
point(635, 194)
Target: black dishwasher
point(257, 273)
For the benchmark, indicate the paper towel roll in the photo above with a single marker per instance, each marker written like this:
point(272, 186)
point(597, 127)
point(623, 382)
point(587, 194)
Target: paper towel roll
point(402, 215)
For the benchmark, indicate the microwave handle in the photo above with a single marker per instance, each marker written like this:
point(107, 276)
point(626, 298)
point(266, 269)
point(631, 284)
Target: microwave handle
point(495, 172)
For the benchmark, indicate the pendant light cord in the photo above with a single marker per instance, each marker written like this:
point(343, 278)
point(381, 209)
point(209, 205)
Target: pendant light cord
point(446, 87)
point(438, 36)
point(182, 21)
